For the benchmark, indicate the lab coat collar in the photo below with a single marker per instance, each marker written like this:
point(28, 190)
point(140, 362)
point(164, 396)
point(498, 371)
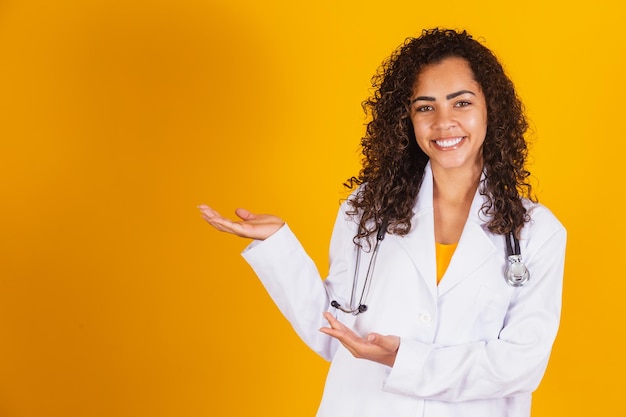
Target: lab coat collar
point(474, 247)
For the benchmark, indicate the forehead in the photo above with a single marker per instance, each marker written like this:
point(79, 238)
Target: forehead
point(449, 73)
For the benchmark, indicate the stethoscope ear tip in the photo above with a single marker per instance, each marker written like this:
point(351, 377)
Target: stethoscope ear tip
point(362, 308)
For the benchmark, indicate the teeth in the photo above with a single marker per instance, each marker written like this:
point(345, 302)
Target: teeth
point(446, 143)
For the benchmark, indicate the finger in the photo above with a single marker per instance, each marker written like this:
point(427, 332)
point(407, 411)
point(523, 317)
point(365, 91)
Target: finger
point(245, 214)
point(332, 332)
point(210, 215)
point(341, 332)
point(214, 218)
point(388, 343)
point(331, 319)
point(349, 341)
point(217, 220)
point(221, 224)
point(334, 323)
point(207, 211)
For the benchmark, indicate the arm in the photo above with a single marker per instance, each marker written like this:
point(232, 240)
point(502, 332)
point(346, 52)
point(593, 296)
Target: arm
point(295, 285)
point(287, 272)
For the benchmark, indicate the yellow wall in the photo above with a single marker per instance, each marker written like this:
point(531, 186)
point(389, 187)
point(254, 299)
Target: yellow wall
point(118, 117)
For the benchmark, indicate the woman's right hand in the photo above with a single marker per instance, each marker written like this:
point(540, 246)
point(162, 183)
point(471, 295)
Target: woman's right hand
point(253, 226)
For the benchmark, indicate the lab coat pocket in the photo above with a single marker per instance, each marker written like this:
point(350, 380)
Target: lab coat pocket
point(492, 307)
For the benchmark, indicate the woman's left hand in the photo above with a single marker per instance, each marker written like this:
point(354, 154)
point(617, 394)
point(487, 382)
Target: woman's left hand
point(375, 347)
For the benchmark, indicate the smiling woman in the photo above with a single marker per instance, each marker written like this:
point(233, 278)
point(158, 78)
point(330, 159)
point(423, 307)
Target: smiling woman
point(442, 189)
point(449, 117)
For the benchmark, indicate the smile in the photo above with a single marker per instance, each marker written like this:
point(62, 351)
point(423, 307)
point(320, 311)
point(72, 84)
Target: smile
point(448, 142)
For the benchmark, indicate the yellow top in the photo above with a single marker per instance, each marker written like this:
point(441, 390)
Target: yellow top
point(444, 255)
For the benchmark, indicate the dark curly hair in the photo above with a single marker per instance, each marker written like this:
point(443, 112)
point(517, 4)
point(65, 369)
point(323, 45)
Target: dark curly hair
point(393, 163)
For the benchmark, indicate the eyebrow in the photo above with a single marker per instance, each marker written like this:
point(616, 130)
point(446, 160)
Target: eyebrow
point(448, 97)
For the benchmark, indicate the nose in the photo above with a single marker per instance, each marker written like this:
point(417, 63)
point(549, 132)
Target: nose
point(444, 119)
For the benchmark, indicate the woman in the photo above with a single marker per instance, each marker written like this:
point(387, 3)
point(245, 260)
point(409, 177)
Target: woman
point(423, 312)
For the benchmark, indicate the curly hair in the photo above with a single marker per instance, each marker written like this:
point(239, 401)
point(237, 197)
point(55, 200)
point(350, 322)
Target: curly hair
point(393, 164)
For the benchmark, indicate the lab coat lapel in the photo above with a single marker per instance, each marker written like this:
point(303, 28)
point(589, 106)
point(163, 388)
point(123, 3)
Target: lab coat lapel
point(419, 243)
point(474, 248)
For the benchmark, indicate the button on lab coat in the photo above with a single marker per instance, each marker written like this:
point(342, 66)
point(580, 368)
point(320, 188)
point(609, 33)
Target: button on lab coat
point(471, 346)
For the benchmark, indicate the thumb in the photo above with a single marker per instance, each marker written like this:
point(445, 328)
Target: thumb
point(244, 214)
point(389, 343)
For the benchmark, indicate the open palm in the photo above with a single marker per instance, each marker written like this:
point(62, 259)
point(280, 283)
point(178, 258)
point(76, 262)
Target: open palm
point(251, 225)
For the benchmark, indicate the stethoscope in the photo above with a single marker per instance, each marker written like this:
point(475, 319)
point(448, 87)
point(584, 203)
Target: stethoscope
point(362, 308)
point(516, 273)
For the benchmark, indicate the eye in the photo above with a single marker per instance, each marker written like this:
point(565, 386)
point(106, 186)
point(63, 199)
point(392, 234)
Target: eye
point(462, 103)
point(424, 108)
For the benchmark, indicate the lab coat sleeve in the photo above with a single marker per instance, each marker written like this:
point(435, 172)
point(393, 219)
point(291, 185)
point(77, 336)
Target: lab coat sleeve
point(511, 364)
point(292, 280)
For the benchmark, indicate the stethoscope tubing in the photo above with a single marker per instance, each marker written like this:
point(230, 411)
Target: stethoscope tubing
point(515, 275)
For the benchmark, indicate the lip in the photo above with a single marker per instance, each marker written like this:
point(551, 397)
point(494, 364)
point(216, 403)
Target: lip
point(449, 143)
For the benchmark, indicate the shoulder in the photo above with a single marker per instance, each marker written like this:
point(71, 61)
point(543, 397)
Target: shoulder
point(543, 224)
point(347, 209)
point(347, 216)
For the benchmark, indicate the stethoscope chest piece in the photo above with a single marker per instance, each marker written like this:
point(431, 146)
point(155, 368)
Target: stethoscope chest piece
point(516, 274)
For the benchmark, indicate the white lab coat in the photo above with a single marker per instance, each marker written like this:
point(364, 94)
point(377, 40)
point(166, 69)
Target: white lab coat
point(471, 346)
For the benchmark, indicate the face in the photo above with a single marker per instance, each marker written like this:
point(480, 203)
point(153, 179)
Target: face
point(449, 115)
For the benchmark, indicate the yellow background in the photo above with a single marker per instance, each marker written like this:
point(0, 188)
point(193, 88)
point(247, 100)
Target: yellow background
point(118, 117)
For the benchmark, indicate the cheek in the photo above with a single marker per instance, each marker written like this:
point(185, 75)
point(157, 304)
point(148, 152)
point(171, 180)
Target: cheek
point(420, 131)
point(478, 124)
point(420, 138)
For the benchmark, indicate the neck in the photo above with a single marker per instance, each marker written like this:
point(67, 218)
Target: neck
point(456, 186)
point(453, 194)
